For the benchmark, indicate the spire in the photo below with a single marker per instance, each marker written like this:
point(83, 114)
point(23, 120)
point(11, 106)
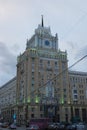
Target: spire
point(42, 24)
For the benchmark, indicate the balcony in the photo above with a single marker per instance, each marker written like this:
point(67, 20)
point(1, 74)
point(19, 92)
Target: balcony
point(49, 68)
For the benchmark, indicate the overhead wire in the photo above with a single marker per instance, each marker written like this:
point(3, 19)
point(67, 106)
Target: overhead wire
point(60, 73)
point(75, 25)
point(79, 20)
point(68, 32)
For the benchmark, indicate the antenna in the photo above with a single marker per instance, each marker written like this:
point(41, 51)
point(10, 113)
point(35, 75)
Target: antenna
point(42, 23)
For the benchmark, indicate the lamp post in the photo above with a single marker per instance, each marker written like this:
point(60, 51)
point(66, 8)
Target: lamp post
point(71, 112)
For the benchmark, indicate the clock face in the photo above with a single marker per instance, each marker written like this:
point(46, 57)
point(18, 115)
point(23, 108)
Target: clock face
point(47, 43)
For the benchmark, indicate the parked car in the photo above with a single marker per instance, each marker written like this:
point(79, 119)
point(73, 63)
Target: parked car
point(5, 125)
point(73, 126)
point(53, 126)
point(33, 127)
point(61, 126)
point(80, 126)
point(13, 126)
point(0, 124)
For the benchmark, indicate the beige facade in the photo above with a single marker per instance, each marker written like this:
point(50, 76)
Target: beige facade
point(44, 87)
point(78, 90)
point(42, 78)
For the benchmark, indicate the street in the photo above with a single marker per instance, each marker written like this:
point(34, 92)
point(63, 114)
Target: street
point(18, 128)
point(24, 128)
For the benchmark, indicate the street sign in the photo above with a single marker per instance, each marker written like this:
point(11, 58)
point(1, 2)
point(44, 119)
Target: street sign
point(14, 116)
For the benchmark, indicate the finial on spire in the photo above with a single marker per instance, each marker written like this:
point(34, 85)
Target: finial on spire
point(42, 24)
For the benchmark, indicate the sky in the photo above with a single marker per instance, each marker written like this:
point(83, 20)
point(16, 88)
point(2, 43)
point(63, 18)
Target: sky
point(20, 18)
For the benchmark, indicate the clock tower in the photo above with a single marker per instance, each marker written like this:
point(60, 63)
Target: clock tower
point(43, 39)
point(41, 85)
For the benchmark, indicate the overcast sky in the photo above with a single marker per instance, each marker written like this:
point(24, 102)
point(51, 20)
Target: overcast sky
point(20, 18)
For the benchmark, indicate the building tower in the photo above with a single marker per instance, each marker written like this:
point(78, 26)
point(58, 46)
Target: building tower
point(42, 78)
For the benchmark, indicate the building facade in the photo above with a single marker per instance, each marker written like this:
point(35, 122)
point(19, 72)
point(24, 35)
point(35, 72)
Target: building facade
point(78, 90)
point(44, 87)
point(42, 77)
point(8, 100)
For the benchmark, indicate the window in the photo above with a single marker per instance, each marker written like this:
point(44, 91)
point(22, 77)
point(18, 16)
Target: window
point(32, 115)
point(75, 102)
point(65, 96)
point(75, 91)
point(63, 66)
point(41, 115)
point(86, 80)
point(75, 97)
point(66, 110)
point(33, 59)
point(55, 63)
point(32, 74)
point(48, 62)
point(64, 90)
point(41, 61)
point(32, 109)
point(41, 108)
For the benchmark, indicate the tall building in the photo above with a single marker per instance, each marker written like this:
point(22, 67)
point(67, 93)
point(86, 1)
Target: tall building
point(42, 77)
point(44, 87)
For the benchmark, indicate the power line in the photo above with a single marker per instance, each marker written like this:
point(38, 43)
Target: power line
point(75, 25)
point(61, 73)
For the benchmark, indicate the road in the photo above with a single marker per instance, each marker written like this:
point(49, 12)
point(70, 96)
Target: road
point(24, 128)
point(18, 128)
